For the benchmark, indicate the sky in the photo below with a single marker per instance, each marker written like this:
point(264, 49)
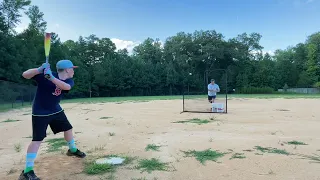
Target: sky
point(127, 23)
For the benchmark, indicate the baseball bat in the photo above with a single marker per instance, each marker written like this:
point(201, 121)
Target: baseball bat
point(47, 45)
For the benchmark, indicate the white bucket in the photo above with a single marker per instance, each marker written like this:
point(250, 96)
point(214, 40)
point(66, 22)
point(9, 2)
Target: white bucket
point(217, 107)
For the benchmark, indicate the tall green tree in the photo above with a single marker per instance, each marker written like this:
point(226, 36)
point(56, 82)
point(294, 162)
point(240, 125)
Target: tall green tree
point(10, 11)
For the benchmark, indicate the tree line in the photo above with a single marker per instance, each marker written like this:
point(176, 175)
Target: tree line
point(154, 68)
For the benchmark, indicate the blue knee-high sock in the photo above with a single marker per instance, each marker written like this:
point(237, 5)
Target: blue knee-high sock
point(72, 146)
point(30, 161)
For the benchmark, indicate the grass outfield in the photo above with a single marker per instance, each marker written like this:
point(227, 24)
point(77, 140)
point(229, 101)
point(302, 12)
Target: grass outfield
point(6, 107)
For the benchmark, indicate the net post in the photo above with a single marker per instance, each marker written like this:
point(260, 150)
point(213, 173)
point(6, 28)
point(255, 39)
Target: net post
point(21, 94)
point(30, 94)
point(205, 80)
point(226, 91)
point(183, 101)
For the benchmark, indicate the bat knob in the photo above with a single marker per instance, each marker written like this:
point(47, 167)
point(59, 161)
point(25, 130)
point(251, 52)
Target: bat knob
point(47, 76)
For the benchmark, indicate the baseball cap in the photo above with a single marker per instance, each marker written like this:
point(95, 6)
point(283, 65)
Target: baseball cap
point(65, 64)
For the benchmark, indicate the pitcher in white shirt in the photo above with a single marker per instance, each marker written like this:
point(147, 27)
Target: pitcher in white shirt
point(213, 88)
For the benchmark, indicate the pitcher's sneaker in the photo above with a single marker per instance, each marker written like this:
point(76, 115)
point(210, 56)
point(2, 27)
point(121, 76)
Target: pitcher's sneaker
point(78, 153)
point(28, 176)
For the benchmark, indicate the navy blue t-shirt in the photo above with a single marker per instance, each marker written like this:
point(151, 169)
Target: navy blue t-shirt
point(48, 96)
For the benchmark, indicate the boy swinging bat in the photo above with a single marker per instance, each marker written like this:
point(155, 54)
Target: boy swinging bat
point(46, 110)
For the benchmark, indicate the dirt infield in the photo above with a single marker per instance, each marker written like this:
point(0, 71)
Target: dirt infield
point(257, 139)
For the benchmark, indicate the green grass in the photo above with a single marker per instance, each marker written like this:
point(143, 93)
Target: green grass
point(315, 158)
point(195, 121)
point(105, 117)
point(92, 168)
point(120, 99)
point(17, 147)
point(238, 156)
point(152, 164)
point(10, 120)
point(205, 155)
point(152, 147)
point(12, 171)
point(110, 177)
point(248, 150)
point(150, 98)
point(6, 107)
point(261, 96)
point(56, 144)
point(144, 178)
point(296, 143)
point(272, 150)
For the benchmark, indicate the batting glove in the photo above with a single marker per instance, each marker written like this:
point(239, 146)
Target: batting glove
point(48, 74)
point(42, 67)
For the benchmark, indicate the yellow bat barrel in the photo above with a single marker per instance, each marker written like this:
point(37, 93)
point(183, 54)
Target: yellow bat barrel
point(47, 41)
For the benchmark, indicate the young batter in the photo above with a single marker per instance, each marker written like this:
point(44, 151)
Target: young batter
point(46, 110)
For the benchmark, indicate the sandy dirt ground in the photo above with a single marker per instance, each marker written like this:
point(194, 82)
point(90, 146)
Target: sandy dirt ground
point(134, 125)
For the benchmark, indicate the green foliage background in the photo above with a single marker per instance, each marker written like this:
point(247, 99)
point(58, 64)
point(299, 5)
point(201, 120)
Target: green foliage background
point(154, 68)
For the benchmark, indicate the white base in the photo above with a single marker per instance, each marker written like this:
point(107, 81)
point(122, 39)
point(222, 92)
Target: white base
point(112, 160)
point(217, 107)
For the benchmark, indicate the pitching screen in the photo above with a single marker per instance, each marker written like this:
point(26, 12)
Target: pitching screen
point(201, 99)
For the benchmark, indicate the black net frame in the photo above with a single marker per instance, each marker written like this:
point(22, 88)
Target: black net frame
point(13, 94)
point(207, 78)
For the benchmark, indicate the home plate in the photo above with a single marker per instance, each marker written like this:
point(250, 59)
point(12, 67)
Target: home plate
point(111, 160)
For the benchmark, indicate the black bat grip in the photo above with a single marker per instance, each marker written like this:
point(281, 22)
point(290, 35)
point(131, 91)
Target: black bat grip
point(47, 76)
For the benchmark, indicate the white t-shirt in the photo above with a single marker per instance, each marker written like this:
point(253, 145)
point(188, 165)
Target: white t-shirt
point(213, 87)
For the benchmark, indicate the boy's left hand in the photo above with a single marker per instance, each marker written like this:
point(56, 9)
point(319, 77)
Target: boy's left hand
point(49, 72)
point(43, 67)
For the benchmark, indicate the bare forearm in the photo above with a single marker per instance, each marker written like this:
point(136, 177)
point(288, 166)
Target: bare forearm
point(62, 85)
point(28, 74)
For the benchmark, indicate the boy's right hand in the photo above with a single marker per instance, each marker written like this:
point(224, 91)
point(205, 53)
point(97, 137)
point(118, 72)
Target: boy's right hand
point(42, 67)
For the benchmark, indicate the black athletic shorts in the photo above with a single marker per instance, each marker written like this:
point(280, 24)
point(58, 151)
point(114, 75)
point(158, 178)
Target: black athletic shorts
point(58, 123)
point(211, 97)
